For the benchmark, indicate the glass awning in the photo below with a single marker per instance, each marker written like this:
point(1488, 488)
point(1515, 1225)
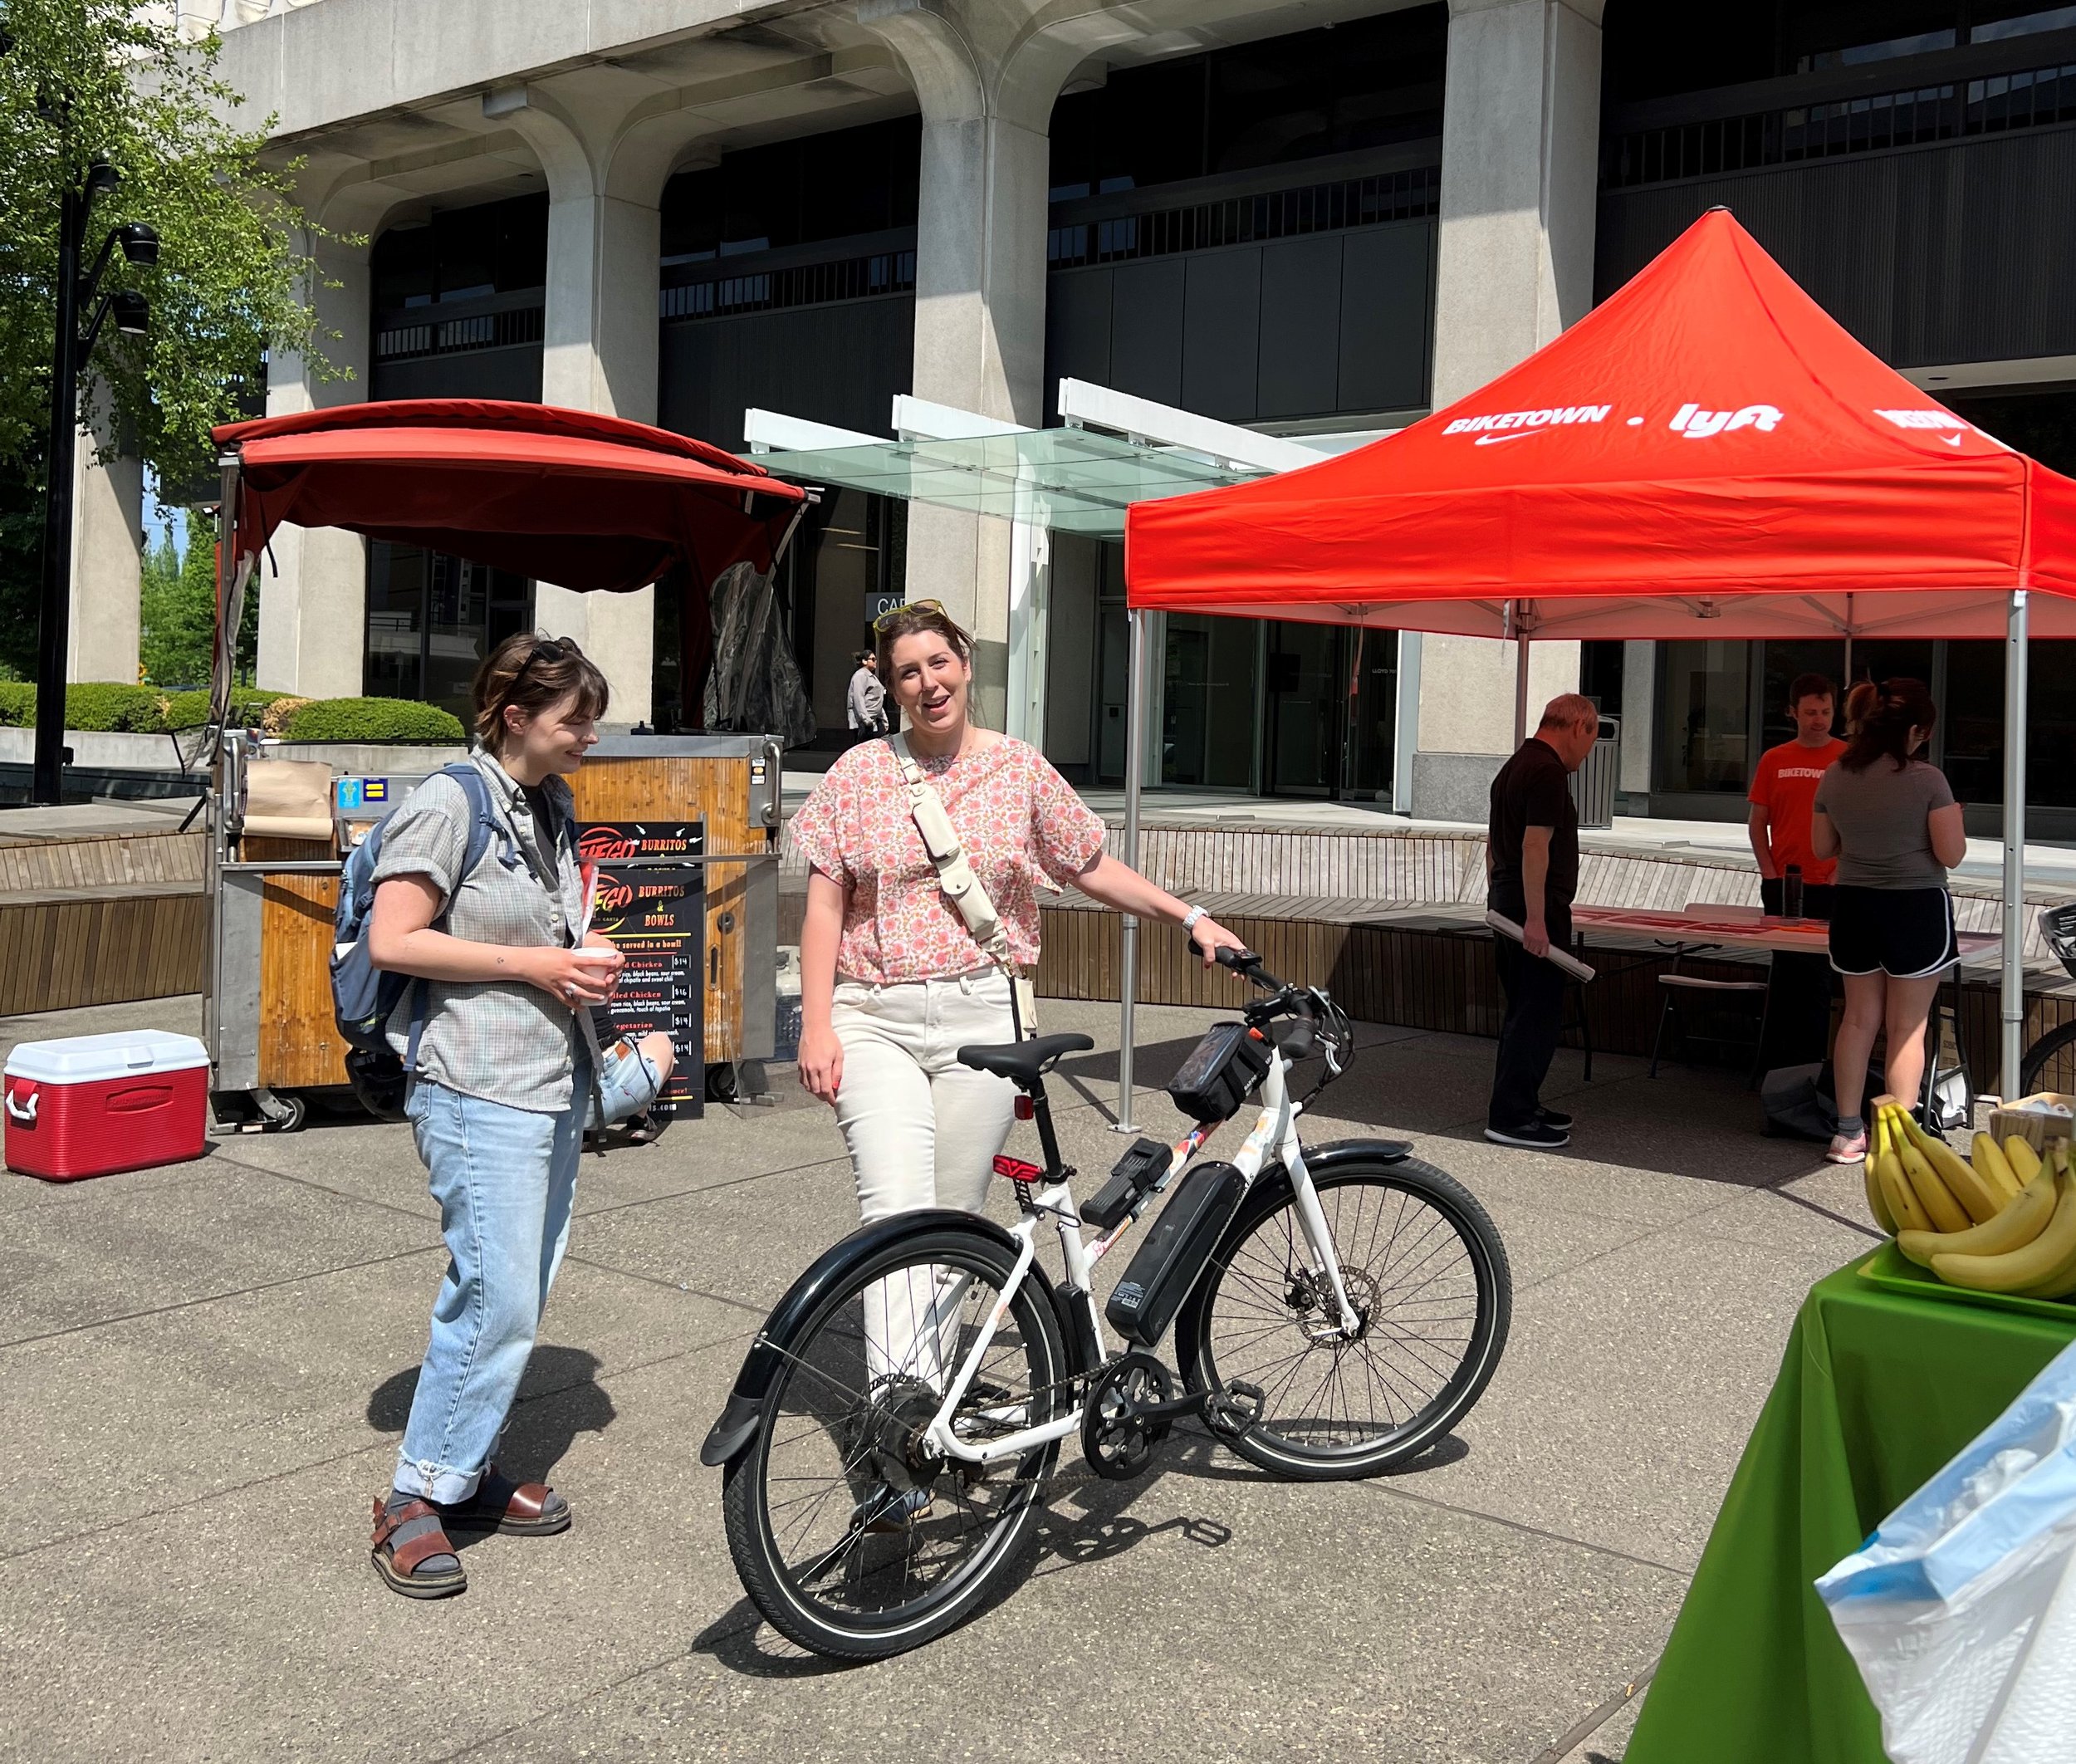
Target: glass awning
point(1070, 480)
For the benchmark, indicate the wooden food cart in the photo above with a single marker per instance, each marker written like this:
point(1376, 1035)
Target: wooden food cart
point(585, 501)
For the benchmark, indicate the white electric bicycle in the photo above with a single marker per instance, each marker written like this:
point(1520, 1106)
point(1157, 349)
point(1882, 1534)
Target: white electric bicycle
point(1336, 1311)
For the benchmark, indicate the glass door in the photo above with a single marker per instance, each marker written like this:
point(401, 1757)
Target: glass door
point(1305, 703)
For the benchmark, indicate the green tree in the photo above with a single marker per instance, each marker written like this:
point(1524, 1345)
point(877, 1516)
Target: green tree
point(179, 611)
point(87, 79)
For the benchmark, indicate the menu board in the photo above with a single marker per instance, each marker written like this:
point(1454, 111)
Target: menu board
point(650, 899)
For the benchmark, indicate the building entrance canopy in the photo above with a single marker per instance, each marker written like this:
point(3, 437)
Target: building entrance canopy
point(1706, 454)
point(1116, 450)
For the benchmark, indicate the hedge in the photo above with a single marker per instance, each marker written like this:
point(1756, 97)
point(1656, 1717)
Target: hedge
point(371, 719)
point(101, 707)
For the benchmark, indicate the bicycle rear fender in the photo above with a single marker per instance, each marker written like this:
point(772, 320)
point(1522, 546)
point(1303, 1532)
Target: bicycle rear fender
point(738, 1424)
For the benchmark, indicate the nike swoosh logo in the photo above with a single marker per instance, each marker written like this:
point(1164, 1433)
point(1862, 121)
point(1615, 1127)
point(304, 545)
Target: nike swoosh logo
point(1526, 434)
point(1951, 440)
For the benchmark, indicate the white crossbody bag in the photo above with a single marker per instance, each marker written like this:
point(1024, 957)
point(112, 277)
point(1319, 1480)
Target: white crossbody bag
point(961, 887)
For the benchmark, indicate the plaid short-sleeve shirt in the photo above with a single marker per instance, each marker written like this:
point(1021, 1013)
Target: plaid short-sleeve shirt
point(502, 1040)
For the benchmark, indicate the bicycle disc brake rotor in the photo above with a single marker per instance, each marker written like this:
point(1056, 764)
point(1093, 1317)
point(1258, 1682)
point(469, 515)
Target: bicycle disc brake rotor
point(1310, 1300)
point(1117, 1437)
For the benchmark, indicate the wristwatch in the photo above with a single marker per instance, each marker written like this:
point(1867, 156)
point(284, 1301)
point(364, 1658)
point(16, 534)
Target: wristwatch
point(1190, 918)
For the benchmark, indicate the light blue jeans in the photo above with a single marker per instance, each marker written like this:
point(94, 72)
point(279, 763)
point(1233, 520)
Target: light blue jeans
point(505, 1179)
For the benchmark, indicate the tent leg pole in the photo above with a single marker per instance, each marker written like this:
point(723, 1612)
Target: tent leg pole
point(2013, 1004)
point(1521, 690)
point(1128, 930)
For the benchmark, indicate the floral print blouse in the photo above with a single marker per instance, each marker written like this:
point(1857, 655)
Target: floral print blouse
point(1015, 815)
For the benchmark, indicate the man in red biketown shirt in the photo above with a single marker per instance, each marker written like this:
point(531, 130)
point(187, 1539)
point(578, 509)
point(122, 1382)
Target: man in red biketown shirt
point(1784, 787)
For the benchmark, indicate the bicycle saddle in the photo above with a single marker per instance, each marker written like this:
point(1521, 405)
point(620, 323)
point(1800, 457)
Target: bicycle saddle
point(1026, 1062)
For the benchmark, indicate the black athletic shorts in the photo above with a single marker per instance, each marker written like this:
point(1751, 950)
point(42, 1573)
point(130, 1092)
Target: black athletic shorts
point(1904, 933)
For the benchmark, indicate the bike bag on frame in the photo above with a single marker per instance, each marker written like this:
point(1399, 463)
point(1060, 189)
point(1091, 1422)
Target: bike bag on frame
point(1220, 1072)
point(1183, 1235)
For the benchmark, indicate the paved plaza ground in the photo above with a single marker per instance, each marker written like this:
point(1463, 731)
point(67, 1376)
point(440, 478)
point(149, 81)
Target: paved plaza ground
point(204, 1371)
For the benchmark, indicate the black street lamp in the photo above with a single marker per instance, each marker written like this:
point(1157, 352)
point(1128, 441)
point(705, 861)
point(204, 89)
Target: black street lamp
point(139, 244)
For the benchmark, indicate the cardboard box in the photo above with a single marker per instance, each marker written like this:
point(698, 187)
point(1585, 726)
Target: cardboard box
point(2035, 1129)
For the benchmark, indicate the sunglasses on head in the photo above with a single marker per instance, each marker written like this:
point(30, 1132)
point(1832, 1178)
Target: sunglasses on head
point(892, 613)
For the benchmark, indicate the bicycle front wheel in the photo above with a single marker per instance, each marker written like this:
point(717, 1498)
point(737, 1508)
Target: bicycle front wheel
point(851, 1537)
point(1427, 1274)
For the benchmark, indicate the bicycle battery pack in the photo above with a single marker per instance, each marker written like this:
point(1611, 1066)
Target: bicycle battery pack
point(1133, 1175)
point(1220, 1071)
point(1177, 1245)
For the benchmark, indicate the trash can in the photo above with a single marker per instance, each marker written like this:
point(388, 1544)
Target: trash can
point(1593, 784)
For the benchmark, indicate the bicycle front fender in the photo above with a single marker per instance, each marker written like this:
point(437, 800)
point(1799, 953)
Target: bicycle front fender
point(731, 1434)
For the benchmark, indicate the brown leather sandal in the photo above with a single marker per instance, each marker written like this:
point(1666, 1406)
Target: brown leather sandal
point(517, 1509)
point(398, 1563)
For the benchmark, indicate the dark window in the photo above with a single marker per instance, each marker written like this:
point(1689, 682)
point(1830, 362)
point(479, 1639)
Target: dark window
point(431, 618)
point(494, 247)
point(795, 193)
point(1855, 33)
point(1600, 666)
point(1370, 83)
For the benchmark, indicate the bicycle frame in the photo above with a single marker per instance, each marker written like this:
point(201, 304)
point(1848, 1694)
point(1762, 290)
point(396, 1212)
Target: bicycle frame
point(1273, 1140)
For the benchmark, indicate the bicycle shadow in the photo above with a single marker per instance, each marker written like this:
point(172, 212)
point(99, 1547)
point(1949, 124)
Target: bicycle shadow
point(1105, 1529)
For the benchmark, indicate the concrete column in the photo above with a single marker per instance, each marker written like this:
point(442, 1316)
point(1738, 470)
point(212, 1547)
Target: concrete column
point(599, 332)
point(1520, 153)
point(986, 75)
point(108, 518)
point(313, 585)
point(1639, 713)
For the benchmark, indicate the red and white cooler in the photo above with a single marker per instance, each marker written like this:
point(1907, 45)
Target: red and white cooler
point(92, 1104)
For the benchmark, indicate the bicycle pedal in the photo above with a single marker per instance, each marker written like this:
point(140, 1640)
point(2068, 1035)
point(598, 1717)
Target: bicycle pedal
point(1232, 1411)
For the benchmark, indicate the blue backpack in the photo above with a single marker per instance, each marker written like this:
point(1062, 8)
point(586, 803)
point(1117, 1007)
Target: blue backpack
point(363, 997)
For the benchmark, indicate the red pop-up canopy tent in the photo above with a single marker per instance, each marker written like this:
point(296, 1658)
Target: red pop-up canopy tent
point(572, 497)
point(1707, 454)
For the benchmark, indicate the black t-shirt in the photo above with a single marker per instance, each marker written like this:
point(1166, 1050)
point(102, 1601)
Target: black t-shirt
point(1533, 790)
point(547, 830)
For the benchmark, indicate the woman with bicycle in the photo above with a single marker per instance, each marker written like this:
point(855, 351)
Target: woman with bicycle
point(892, 982)
point(1890, 820)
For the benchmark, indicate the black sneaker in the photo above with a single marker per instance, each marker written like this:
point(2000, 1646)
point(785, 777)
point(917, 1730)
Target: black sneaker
point(1536, 1136)
point(1555, 1118)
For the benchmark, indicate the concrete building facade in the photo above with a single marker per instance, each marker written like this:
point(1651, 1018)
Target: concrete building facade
point(1306, 216)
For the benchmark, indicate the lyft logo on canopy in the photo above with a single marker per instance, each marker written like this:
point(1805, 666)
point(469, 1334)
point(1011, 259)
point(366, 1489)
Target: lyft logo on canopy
point(1698, 425)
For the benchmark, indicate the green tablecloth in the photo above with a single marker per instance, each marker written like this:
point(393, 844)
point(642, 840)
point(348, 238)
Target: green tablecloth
point(1876, 1391)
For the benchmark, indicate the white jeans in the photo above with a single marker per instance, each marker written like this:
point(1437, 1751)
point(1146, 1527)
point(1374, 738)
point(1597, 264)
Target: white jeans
point(923, 1129)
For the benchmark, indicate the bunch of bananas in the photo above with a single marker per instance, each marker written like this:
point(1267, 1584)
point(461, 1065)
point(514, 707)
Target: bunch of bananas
point(2003, 1222)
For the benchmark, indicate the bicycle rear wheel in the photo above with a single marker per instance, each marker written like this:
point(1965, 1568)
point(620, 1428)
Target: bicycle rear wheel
point(1427, 1273)
point(850, 1537)
point(2049, 1063)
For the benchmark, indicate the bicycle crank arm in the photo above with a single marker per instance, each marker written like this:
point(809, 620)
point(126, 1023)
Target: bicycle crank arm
point(1232, 1410)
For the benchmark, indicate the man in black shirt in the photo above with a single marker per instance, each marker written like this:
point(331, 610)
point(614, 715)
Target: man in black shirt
point(1531, 858)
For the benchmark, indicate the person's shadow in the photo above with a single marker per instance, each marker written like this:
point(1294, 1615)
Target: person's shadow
point(559, 1398)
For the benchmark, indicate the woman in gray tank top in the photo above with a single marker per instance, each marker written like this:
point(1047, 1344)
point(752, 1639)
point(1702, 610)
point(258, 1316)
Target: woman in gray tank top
point(1891, 820)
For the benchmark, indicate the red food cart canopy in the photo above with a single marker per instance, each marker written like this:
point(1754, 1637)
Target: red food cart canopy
point(1707, 454)
point(568, 497)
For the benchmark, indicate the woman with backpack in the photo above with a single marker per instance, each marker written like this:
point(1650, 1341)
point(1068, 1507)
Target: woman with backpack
point(1890, 820)
point(503, 1063)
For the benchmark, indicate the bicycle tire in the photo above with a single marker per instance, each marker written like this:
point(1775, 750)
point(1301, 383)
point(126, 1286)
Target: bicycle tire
point(1032, 1335)
point(1260, 1317)
point(2050, 1046)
